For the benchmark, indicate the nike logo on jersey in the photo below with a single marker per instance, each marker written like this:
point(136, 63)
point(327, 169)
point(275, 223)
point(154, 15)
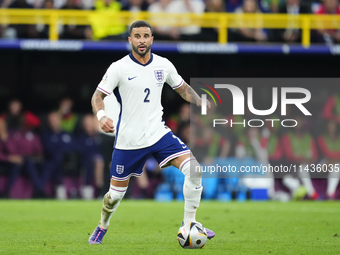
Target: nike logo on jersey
point(131, 78)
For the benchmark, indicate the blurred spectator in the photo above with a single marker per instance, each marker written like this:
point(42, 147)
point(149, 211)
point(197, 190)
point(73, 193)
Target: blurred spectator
point(275, 158)
point(189, 33)
point(87, 4)
point(238, 128)
point(177, 6)
point(56, 144)
point(37, 4)
point(249, 34)
point(207, 145)
point(44, 29)
point(232, 5)
point(176, 120)
point(71, 5)
point(106, 149)
point(103, 26)
point(291, 7)
point(27, 144)
point(91, 159)
point(24, 31)
point(211, 34)
point(253, 145)
point(264, 5)
point(184, 132)
point(69, 119)
point(272, 6)
point(329, 144)
point(330, 7)
point(16, 116)
point(10, 163)
point(71, 30)
point(5, 3)
point(274, 147)
point(331, 109)
point(300, 150)
point(58, 4)
point(146, 185)
point(135, 6)
point(163, 32)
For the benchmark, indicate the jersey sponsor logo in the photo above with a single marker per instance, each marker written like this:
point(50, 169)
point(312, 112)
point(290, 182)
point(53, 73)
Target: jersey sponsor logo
point(131, 78)
point(159, 74)
point(120, 169)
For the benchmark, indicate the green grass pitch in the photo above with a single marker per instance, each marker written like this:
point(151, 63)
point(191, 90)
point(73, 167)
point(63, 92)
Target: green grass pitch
point(148, 227)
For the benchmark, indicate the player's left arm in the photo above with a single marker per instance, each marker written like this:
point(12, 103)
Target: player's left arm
point(190, 95)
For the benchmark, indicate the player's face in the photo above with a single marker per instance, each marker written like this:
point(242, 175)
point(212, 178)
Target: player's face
point(141, 40)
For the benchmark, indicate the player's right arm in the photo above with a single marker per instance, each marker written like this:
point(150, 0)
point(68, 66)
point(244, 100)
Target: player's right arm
point(181, 87)
point(189, 95)
point(97, 101)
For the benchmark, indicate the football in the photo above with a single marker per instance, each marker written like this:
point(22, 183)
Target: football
point(192, 235)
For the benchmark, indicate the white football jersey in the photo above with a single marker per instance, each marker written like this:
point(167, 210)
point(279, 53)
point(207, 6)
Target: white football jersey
point(138, 89)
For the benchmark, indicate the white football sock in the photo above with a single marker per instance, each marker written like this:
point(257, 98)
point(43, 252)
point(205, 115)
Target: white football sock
point(192, 188)
point(332, 183)
point(111, 202)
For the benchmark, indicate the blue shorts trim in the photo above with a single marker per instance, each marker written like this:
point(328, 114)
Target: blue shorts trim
point(127, 163)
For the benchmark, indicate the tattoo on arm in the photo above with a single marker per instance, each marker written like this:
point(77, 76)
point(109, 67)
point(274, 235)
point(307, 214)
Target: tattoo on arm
point(97, 101)
point(188, 94)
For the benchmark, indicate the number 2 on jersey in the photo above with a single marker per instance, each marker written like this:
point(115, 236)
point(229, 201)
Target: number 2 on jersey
point(180, 141)
point(147, 91)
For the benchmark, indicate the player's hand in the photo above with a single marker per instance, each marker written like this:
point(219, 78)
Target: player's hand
point(199, 103)
point(208, 104)
point(106, 124)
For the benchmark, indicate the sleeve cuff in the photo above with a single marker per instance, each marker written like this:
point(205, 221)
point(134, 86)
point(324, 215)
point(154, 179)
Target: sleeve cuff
point(179, 85)
point(104, 91)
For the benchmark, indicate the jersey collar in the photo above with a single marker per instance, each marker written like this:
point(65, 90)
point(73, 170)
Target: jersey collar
point(135, 60)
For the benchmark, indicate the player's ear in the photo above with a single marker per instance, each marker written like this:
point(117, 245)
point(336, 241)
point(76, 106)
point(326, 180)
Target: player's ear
point(152, 39)
point(129, 38)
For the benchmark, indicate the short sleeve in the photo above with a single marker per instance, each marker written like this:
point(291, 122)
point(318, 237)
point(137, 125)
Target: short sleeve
point(110, 80)
point(174, 79)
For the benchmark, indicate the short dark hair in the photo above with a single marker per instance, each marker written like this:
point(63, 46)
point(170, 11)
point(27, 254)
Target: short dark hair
point(140, 23)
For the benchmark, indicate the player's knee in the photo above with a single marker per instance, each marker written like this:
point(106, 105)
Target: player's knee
point(108, 202)
point(114, 196)
point(192, 171)
point(192, 188)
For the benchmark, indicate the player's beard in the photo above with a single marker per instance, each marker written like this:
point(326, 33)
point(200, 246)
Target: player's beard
point(142, 54)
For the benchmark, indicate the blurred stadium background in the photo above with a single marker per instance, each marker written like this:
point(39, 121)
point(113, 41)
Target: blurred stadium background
point(54, 53)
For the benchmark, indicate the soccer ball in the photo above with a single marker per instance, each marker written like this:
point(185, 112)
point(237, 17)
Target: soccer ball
point(192, 235)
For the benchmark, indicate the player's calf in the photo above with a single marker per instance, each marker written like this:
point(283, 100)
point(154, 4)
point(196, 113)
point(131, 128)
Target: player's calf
point(111, 202)
point(192, 189)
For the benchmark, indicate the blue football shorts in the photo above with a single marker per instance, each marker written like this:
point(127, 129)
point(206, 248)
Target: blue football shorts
point(127, 163)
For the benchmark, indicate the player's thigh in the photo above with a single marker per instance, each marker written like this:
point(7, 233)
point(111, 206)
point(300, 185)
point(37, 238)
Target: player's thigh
point(170, 149)
point(127, 163)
